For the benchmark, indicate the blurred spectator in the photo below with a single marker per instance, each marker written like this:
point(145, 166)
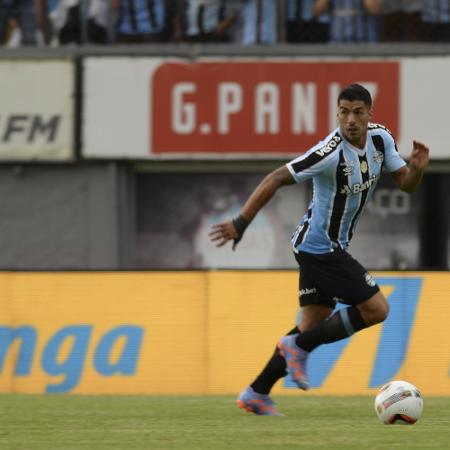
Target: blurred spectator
point(205, 20)
point(66, 22)
point(99, 20)
point(12, 36)
point(401, 20)
point(68, 25)
point(141, 21)
point(436, 20)
point(257, 22)
point(302, 26)
point(21, 22)
point(351, 20)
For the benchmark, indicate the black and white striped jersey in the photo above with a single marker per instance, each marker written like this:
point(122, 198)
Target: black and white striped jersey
point(344, 178)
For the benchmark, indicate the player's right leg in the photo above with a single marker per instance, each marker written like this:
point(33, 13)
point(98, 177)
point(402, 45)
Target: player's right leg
point(262, 385)
point(311, 316)
point(254, 402)
point(316, 307)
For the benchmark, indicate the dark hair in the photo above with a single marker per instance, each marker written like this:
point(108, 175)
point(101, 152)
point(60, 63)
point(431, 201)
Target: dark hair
point(354, 92)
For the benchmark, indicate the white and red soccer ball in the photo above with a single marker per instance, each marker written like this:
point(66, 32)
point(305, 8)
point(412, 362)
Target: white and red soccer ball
point(398, 402)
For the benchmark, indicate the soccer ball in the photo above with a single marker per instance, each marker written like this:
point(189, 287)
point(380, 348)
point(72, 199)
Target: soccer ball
point(398, 402)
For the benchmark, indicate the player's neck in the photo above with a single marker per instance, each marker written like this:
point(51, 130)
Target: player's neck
point(358, 143)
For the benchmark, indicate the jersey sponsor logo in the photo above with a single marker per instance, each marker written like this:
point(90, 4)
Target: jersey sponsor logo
point(357, 188)
point(376, 126)
point(307, 291)
point(378, 157)
point(316, 156)
point(348, 168)
point(332, 144)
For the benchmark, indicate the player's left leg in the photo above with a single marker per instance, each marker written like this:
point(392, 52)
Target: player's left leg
point(345, 322)
point(311, 316)
point(374, 310)
point(340, 325)
point(343, 276)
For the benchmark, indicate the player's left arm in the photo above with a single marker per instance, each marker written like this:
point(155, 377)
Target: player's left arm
point(408, 177)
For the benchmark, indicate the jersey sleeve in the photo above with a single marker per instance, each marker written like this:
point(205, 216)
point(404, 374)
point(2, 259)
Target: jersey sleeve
point(392, 160)
point(316, 160)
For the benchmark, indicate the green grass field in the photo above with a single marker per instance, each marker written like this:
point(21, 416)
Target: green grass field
point(53, 422)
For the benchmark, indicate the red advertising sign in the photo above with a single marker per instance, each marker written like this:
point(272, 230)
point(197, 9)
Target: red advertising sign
point(260, 107)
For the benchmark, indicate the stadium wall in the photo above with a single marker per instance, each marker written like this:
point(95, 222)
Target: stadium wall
point(72, 145)
point(205, 333)
point(66, 216)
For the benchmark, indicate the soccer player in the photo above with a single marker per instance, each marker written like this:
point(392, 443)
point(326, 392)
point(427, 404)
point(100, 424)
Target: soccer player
point(345, 168)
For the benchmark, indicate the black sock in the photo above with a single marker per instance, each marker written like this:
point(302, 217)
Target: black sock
point(274, 370)
point(341, 324)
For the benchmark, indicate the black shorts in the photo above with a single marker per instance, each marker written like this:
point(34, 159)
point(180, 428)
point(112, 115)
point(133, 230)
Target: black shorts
point(333, 277)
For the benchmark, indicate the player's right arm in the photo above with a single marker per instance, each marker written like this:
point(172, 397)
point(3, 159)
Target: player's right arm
point(313, 162)
point(234, 229)
point(265, 191)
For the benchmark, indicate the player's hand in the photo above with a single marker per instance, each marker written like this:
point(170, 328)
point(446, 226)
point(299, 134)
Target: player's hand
point(221, 233)
point(419, 156)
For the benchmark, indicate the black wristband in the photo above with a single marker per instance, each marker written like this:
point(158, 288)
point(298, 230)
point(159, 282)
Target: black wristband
point(240, 223)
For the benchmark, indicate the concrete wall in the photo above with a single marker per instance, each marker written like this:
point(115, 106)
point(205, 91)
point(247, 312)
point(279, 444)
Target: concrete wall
point(66, 216)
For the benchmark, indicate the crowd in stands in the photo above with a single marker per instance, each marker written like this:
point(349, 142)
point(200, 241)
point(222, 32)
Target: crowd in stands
point(75, 22)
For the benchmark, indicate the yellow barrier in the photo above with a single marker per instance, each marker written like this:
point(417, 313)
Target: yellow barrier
point(205, 332)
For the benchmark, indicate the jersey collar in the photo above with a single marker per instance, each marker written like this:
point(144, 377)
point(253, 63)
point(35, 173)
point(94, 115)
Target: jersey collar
point(359, 151)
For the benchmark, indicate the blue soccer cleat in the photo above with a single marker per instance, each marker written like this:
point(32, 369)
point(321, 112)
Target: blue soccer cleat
point(295, 360)
point(259, 404)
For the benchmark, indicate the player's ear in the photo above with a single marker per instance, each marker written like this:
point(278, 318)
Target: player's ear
point(370, 113)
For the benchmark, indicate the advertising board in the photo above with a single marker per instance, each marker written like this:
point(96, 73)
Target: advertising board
point(223, 108)
point(205, 333)
point(37, 110)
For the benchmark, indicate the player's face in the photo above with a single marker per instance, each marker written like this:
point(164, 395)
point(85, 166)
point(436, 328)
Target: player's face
point(353, 118)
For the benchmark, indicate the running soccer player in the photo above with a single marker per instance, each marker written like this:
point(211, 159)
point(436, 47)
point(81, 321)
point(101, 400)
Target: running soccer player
point(345, 168)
